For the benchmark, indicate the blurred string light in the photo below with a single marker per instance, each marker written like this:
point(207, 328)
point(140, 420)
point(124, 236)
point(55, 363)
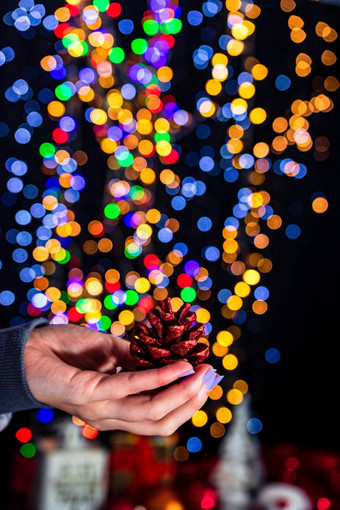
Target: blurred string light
point(135, 122)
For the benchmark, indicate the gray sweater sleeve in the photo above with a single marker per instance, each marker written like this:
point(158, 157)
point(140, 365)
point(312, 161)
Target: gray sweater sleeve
point(14, 391)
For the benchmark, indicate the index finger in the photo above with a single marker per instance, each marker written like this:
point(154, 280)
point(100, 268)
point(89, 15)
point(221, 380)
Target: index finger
point(123, 384)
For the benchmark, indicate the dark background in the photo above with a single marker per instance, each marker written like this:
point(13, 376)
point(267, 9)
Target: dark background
point(296, 399)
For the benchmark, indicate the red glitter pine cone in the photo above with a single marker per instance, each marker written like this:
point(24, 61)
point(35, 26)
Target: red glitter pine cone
point(170, 338)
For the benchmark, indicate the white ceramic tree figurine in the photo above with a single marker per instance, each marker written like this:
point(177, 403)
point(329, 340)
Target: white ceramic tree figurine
point(239, 472)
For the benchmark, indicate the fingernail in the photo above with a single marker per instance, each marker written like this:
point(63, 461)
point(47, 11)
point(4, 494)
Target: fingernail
point(188, 373)
point(213, 382)
point(209, 376)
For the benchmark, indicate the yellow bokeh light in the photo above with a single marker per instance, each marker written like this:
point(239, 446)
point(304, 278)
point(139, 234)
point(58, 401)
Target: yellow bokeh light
point(298, 35)
point(240, 31)
point(142, 285)
point(234, 303)
point(162, 125)
point(216, 393)
point(258, 115)
point(242, 289)
point(53, 294)
point(259, 72)
point(235, 396)
point(202, 315)
point(235, 47)
point(207, 108)
point(225, 338)
point(219, 58)
point(233, 5)
point(56, 109)
point(144, 231)
point(163, 148)
point(213, 87)
point(246, 90)
point(40, 254)
point(223, 415)
point(153, 216)
point(230, 362)
point(147, 176)
point(199, 419)
point(320, 205)
point(219, 350)
point(164, 74)
point(98, 116)
point(167, 176)
point(251, 276)
point(295, 21)
point(93, 286)
point(144, 126)
point(126, 317)
point(261, 150)
point(239, 106)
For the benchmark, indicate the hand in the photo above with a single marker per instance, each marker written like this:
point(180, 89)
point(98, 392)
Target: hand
point(74, 369)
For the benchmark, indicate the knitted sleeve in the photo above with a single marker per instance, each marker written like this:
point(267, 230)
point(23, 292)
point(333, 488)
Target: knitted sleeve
point(14, 391)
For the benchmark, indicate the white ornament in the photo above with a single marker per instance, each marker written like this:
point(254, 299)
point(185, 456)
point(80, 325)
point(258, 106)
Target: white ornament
point(283, 496)
point(240, 471)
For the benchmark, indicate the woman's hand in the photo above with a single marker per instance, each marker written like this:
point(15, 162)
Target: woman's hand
point(74, 369)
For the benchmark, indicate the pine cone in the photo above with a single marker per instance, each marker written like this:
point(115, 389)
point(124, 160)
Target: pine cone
point(170, 338)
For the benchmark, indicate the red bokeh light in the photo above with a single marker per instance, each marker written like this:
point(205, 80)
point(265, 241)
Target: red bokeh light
point(23, 435)
point(145, 304)
point(151, 261)
point(112, 287)
point(171, 158)
point(184, 280)
point(59, 136)
point(114, 9)
point(323, 504)
point(74, 315)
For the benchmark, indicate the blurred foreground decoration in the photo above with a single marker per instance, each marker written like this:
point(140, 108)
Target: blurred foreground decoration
point(154, 231)
point(142, 474)
point(239, 472)
point(140, 465)
point(276, 496)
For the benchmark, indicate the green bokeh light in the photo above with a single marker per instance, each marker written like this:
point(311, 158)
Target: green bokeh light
point(65, 258)
point(101, 5)
point(139, 46)
point(162, 136)
point(63, 92)
point(105, 322)
point(108, 303)
point(171, 27)
point(116, 55)
point(188, 294)
point(136, 192)
point(47, 150)
point(112, 211)
point(132, 297)
point(28, 450)
point(150, 27)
